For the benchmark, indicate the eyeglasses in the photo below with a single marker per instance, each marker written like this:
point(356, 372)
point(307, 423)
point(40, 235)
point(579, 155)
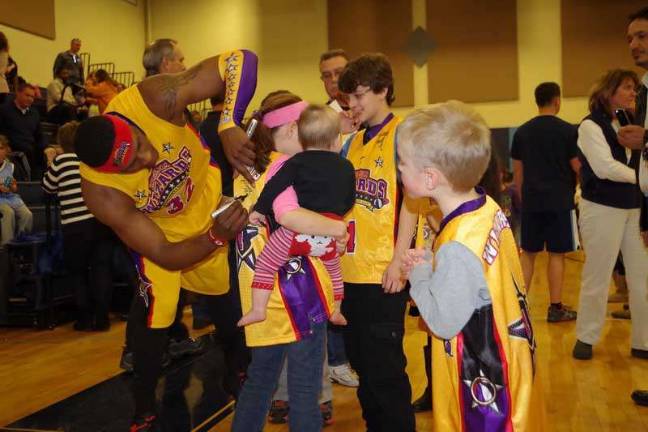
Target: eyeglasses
point(358, 95)
point(328, 76)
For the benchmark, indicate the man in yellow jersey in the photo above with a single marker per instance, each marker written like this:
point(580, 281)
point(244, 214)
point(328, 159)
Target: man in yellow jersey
point(471, 293)
point(374, 300)
point(146, 174)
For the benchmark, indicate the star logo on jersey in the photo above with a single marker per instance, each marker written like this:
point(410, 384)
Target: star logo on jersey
point(293, 267)
point(379, 162)
point(521, 328)
point(167, 147)
point(483, 391)
point(140, 195)
point(244, 250)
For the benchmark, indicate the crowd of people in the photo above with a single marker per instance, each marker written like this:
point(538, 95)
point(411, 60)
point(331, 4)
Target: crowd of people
point(304, 231)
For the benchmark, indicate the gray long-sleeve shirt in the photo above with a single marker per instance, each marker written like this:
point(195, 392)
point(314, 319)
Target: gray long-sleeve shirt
point(449, 296)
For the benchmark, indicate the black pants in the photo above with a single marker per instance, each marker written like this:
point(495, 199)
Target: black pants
point(149, 345)
point(87, 248)
point(374, 345)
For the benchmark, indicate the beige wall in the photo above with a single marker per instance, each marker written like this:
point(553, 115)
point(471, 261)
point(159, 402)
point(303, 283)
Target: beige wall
point(111, 30)
point(289, 35)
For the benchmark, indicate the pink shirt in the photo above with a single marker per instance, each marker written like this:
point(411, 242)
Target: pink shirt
point(287, 200)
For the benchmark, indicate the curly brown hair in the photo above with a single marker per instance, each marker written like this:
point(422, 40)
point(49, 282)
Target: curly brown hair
point(263, 137)
point(4, 42)
point(371, 70)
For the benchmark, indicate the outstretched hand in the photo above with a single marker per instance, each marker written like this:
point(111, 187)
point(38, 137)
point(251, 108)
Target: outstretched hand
point(257, 218)
point(410, 259)
point(239, 151)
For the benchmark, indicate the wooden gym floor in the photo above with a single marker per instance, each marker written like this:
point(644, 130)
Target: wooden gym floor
point(39, 368)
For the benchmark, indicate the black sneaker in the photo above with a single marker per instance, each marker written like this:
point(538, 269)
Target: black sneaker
point(278, 413)
point(143, 423)
point(639, 353)
point(560, 313)
point(326, 409)
point(127, 361)
point(640, 397)
point(179, 348)
point(582, 351)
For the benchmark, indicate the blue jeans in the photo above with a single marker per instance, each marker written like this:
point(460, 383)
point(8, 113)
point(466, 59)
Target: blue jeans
point(335, 346)
point(305, 360)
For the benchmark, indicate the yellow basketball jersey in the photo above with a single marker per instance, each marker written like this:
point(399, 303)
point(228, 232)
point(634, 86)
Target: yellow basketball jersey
point(425, 235)
point(183, 188)
point(374, 218)
point(484, 378)
point(301, 277)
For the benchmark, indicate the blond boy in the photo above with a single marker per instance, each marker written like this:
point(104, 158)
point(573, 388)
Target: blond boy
point(471, 294)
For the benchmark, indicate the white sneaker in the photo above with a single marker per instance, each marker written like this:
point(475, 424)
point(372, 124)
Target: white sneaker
point(343, 375)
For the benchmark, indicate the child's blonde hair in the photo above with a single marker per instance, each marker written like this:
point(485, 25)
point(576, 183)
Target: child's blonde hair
point(4, 142)
point(318, 127)
point(450, 136)
point(65, 136)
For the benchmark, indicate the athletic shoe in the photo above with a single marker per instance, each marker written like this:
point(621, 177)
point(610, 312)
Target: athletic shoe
point(343, 375)
point(640, 397)
point(621, 314)
point(326, 409)
point(639, 353)
point(278, 413)
point(560, 314)
point(582, 351)
point(179, 348)
point(143, 423)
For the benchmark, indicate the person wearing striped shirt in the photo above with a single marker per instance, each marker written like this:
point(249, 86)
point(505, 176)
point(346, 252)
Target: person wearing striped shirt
point(87, 243)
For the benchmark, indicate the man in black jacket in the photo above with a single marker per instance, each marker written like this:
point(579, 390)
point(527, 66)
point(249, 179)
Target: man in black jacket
point(636, 136)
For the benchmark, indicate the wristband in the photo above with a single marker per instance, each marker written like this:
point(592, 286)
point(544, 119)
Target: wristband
point(215, 240)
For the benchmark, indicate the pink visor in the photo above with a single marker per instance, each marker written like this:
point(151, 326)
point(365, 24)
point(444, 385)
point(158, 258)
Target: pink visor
point(284, 115)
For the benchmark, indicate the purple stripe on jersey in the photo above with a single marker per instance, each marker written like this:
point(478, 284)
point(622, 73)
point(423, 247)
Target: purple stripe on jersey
point(297, 282)
point(466, 207)
point(247, 85)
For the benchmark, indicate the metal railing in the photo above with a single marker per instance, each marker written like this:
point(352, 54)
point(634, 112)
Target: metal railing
point(125, 78)
point(108, 67)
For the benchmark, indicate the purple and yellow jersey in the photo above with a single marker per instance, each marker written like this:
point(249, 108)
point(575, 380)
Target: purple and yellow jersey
point(302, 294)
point(373, 220)
point(484, 378)
point(183, 188)
point(238, 69)
point(424, 233)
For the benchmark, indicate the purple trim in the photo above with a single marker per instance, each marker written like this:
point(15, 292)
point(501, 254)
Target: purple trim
point(372, 131)
point(297, 283)
point(247, 85)
point(466, 207)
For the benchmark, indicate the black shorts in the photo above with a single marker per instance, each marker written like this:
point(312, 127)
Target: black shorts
point(555, 229)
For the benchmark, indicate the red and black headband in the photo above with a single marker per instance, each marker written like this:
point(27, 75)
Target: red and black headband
point(123, 150)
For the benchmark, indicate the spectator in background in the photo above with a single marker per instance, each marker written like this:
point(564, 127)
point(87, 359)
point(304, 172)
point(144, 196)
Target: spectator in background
point(545, 165)
point(71, 60)
point(101, 89)
point(11, 74)
point(163, 56)
point(62, 105)
point(13, 209)
point(21, 124)
point(4, 64)
point(87, 243)
point(609, 215)
point(331, 65)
